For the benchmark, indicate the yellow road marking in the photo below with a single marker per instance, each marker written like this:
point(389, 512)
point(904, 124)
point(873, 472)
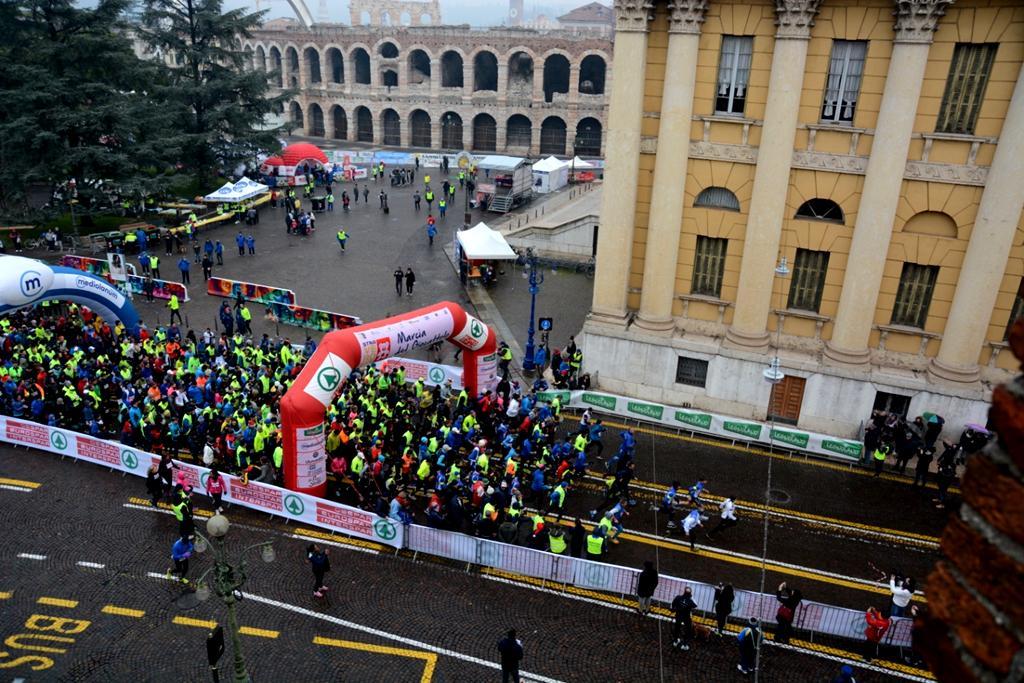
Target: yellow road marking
point(57, 602)
point(344, 540)
point(429, 657)
point(261, 632)
point(6, 595)
point(704, 621)
point(123, 611)
point(20, 482)
point(757, 450)
point(164, 506)
point(200, 623)
point(792, 513)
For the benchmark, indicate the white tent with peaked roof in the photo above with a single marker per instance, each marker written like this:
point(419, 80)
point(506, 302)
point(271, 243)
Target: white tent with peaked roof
point(550, 174)
point(480, 243)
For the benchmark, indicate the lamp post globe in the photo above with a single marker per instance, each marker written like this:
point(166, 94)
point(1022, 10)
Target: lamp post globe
point(217, 526)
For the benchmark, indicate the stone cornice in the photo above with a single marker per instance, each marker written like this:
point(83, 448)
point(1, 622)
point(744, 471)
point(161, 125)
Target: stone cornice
point(794, 18)
point(686, 16)
point(633, 15)
point(916, 20)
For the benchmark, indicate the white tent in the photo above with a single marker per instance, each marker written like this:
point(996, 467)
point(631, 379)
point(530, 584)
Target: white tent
point(480, 243)
point(578, 163)
point(549, 175)
point(247, 189)
point(224, 194)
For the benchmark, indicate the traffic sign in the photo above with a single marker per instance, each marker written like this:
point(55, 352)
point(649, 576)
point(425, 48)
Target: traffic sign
point(545, 324)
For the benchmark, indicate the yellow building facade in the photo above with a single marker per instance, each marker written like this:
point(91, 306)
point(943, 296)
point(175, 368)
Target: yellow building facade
point(836, 183)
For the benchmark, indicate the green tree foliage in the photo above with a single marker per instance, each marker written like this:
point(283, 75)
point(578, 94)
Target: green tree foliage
point(222, 104)
point(77, 102)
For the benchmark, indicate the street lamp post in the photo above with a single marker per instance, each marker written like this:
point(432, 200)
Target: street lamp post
point(227, 578)
point(536, 279)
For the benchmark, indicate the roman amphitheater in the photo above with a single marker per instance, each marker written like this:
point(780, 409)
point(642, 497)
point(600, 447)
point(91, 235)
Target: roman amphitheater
point(512, 89)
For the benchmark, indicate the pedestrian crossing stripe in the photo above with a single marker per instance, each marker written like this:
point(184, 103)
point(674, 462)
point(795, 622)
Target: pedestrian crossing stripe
point(189, 621)
point(123, 611)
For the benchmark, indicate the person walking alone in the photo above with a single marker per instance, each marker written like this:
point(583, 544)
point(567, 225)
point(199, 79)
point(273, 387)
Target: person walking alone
point(645, 585)
point(511, 649)
point(399, 277)
point(682, 628)
point(410, 280)
point(342, 238)
point(183, 266)
point(320, 562)
point(728, 515)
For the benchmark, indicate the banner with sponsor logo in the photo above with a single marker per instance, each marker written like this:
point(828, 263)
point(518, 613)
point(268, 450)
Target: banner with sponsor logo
point(162, 289)
point(432, 374)
point(310, 318)
point(250, 291)
point(722, 426)
point(264, 497)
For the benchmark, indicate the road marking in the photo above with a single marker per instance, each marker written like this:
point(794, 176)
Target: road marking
point(143, 504)
point(758, 450)
point(612, 602)
point(91, 565)
point(19, 489)
point(883, 532)
point(429, 657)
point(31, 556)
point(6, 595)
point(199, 623)
point(19, 483)
point(260, 632)
point(348, 543)
point(123, 611)
point(57, 602)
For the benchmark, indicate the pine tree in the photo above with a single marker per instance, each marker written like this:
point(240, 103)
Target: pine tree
point(223, 105)
point(76, 103)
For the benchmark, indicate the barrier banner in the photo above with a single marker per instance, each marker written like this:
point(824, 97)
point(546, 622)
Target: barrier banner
point(87, 264)
point(257, 496)
point(432, 374)
point(310, 318)
point(162, 289)
point(699, 421)
point(250, 291)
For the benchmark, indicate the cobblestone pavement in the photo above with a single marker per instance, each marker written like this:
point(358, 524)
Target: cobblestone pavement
point(80, 570)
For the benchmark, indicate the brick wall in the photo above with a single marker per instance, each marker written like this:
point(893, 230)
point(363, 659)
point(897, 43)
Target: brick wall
point(974, 630)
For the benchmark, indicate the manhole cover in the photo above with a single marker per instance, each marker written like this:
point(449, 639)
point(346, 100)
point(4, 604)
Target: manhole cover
point(778, 496)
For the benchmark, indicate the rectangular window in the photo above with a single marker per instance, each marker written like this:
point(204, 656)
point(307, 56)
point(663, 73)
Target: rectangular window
point(692, 371)
point(1017, 311)
point(844, 74)
point(891, 403)
point(914, 295)
point(733, 72)
point(965, 87)
point(809, 272)
point(709, 266)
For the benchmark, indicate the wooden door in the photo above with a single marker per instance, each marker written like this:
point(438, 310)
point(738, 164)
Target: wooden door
point(787, 397)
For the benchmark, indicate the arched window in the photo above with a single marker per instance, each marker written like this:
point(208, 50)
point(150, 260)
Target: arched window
point(364, 125)
point(295, 114)
point(361, 59)
point(316, 121)
point(419, 67)
point(485, 71)
point(313, 64)
point(451, 131)
point(819, 209)
point(556, 76)
point(592, 72)
point(588, 138)
point(388, 50)
point(717, 198)
point(552, 136)
point(391, 124)
point(336, 64)
point(485, 133)
point(934, 223)
point(419, 129)
point(451, 70)
point(518, 131)
point(340, 123)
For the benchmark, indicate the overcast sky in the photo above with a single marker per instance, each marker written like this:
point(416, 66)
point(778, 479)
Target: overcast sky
point(475, 12)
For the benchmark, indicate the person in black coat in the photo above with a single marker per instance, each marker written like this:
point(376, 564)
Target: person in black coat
point(724, 596)
point(789, 601)
point(682, 629)
point(577, 538)
point(645, 585)
point(511, 654)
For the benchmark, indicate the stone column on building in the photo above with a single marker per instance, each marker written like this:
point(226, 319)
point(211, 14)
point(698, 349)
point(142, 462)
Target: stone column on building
point(500, 134)
point(794, 19)
point(618, 202)
point(435, 79)
point(538, 80)
point(916, 21)
point(467, 80)
point(666, 215)
point(405, 131)
point(573, 96)
point(435, 131)
point(995, 228)
point(535, 137)
point(503, 83)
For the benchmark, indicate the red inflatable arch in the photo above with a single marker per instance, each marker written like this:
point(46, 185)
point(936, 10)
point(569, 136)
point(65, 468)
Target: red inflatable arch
point(341, 351)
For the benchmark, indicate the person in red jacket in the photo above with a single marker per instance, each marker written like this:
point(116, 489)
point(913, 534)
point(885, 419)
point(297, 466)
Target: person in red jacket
point(877, 625)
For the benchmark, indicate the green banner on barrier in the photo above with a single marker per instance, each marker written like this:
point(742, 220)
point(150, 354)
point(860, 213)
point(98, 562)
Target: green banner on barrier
point(849, 449)
point(750, 430)
point(702, 420)
point(798, 439)
point(646, 409)
point(549, 396)
point(600, 400)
